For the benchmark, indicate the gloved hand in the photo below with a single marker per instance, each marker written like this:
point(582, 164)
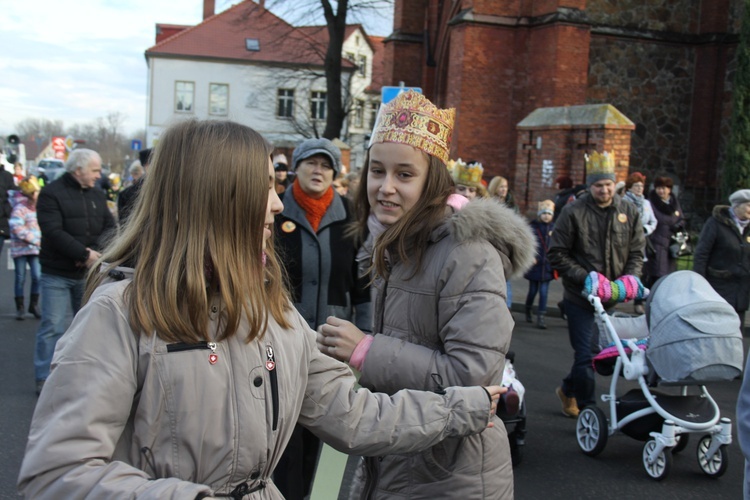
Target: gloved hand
point(623, 289)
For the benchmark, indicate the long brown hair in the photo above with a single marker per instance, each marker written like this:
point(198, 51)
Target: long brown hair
point(197, 230)
point(407, 238)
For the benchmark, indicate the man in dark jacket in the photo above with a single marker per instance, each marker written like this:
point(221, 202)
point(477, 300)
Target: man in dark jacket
point(74, 219)
point(320, 261)
point(597, 232)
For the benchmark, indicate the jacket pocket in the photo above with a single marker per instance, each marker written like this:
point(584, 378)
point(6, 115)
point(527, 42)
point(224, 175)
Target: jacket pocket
point(723, 274)
point(440, 460)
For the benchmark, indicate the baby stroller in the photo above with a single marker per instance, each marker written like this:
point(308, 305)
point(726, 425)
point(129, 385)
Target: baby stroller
point(516, 437)
point(688, 336)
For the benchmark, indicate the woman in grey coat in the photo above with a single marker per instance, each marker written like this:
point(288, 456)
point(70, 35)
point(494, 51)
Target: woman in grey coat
point(440, 317)
point(188, 367)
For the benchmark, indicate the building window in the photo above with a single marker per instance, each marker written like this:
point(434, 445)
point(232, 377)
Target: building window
point(349, 56)
point(359, 114)
point(374, 106)
point(318, 106)
point(286, 103)
point(218, 99)
point(183, 96)
point(362, 65)
point(252, 44)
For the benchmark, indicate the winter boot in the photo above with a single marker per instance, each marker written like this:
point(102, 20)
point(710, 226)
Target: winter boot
point(528, 315)
point(20, 313)
point(34, 305)
point(540, 321)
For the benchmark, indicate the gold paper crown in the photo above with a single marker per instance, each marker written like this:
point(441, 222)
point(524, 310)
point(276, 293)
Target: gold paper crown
point(600, 166)
point(468, 175)
point(413, 120)
point(29, 186)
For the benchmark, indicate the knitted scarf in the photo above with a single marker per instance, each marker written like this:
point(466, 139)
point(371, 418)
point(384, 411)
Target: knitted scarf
point(314, 209)
point(637, 200)
point(741, 224)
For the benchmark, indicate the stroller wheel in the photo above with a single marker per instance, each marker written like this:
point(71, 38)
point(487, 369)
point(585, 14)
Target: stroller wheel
point(592, 430)
point(660, 467)
point(682, 442)
point(715, 466)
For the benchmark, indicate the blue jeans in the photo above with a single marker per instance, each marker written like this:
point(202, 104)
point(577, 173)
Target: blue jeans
point(57, 293)
point(580, 380)
point(534, 287)
point(36, 273)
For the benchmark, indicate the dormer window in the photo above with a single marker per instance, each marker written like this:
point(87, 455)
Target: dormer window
point(252, 44)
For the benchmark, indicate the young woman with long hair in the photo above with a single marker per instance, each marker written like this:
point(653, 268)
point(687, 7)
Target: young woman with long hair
point(187, 369)
point(440, 317)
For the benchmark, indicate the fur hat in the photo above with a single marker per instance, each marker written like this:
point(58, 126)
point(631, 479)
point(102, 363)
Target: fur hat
point(663, 182)
point(546, 207)
point(312, 147)
point(739, 197)
point(600, 167)
point(29, 186)
point(635, 178)
point(413, 120)
point(564, 182)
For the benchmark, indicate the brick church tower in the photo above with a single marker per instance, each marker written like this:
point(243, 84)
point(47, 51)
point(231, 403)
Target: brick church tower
point(667, 66)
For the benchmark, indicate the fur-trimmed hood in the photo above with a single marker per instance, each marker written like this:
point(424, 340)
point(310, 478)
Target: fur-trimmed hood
point(508, 232)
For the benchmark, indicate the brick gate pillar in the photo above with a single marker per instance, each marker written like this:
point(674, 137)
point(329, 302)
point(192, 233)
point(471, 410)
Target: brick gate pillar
point(553, 141)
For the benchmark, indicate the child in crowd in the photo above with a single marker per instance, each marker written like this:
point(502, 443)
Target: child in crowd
point(541, 272)
point(25, 243)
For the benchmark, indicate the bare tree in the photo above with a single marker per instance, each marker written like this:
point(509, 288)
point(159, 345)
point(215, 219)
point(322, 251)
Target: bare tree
point(307, 12)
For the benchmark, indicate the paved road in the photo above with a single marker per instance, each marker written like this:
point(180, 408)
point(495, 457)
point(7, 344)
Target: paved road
point(552, 466)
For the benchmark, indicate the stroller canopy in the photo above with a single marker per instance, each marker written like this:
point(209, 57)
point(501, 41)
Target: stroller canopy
point(695, 333)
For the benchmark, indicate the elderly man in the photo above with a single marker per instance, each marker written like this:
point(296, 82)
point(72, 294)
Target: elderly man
point(597, 232)
point(320, 261)
point(74, 218)
point(127, 198)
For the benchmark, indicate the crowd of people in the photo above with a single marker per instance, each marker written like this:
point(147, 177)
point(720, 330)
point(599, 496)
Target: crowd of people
point(282, 279)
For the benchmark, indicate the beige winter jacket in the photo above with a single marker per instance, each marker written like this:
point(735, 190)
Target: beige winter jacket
point(128, 416)
point(449, 326)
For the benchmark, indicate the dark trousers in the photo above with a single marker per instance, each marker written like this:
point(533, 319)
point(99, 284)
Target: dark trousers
point(581, 329)
point(534, 287)
point(296, 469)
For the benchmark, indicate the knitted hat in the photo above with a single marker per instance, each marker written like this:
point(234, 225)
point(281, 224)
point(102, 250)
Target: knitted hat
point(312, 147)
point(739, 197)
point(29, 186)
point(600, 167)
point(467, 175)
point(413, 120)
point(546, 207)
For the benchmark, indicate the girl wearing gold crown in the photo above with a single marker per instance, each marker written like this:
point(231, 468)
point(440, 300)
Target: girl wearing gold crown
point(440, 316)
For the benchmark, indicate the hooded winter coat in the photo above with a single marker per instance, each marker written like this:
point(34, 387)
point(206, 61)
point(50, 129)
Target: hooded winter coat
point(722, 256)
point(448, 325)
point(124, 415)
point(587, 238)
point(25, 235)
point(542, 269)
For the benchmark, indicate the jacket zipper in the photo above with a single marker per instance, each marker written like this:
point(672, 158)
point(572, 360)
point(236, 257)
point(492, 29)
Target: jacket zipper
point(183, 346)
point(271, 367)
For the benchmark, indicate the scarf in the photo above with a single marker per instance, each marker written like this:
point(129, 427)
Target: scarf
point(637, 200)
point(314, 209)
point(741, 224)
point(661, 205)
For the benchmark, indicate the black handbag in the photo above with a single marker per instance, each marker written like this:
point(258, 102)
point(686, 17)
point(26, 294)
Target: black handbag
point(680, 244)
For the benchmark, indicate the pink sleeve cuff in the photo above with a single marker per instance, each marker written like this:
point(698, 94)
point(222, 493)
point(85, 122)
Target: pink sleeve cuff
point(360, 352)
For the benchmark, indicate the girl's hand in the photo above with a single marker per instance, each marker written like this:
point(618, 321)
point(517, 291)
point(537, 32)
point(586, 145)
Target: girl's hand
point(494, 391)
point(338, 338)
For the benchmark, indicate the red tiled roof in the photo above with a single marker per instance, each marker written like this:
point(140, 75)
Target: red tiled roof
point(223, 36)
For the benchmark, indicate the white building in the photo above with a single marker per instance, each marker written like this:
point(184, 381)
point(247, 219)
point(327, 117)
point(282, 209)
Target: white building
point(248, 65)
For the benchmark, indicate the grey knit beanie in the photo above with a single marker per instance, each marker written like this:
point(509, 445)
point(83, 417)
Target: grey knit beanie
point(312, 147)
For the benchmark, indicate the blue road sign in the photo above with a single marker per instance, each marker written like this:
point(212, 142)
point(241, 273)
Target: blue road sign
point(135, 145)
point(388, 94)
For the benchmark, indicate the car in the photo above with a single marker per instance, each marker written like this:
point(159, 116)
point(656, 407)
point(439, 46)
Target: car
point(52, 168)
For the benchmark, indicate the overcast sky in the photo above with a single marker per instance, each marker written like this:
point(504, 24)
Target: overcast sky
point(78, 61)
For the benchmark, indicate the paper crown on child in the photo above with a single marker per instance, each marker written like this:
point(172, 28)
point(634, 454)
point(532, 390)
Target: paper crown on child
point(29, 186)
point(413, 120)
point(468, 175)
point(546, 207)
point(600, 166)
